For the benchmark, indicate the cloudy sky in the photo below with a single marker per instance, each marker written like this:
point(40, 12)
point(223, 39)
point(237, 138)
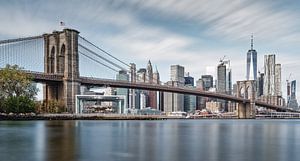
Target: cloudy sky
point(192, 33)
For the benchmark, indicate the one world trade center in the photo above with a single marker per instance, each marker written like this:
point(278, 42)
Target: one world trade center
point(251, 62)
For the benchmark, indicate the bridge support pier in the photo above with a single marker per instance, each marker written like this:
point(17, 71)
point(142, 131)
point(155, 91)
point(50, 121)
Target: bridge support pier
point(61, 57)
point(246, 110)
point(246, 89)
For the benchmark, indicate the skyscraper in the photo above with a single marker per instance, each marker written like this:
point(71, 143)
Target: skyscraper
point(292, 100)
point(272, 82)
point(251, 62)
point(132, 92)
point(149, 75)
point(174, 101)
point(152, 100)
point(177, 73)
point(269, 77)
point(277, 82)
point(221, 73)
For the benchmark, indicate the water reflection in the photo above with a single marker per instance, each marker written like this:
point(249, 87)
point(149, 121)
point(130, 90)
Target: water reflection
point(150, 140)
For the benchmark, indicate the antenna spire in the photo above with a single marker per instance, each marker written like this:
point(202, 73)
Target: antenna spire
point(252, 42)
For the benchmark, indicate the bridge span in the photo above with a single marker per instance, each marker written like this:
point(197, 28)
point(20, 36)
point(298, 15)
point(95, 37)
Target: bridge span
point(98, 82)
point(61, 77)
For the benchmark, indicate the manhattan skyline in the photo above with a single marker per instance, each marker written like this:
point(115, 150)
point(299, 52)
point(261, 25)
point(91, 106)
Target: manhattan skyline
point(195, 34)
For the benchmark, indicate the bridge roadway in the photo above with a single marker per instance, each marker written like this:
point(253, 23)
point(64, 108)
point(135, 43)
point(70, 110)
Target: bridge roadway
point(90, 81)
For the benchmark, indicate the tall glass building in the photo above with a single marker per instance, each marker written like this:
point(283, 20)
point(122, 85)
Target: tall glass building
point(251, 62)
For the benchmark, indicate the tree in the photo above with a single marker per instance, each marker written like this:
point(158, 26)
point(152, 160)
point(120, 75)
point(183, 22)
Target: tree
point(16, 90)
point(15, 82)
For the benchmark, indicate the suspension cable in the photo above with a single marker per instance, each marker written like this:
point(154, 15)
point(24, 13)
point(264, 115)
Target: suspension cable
point(104, 51)
point(97, 61)
point(101, 57)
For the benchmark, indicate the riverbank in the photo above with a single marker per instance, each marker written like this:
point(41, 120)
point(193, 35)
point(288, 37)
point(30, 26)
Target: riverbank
point(33, 116)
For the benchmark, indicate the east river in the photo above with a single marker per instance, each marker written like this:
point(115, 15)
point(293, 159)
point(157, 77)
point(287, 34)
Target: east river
point(164, 140)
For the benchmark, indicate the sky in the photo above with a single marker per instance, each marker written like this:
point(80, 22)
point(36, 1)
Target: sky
point(192, 33)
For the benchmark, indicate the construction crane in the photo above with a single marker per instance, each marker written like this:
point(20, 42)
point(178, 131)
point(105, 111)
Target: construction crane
point(222, 59)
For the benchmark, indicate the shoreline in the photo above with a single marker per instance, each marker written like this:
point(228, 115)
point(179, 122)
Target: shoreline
point(28, 117)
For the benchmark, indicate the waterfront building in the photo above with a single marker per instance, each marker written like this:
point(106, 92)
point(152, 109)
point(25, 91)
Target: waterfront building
point(124, 76)
point(251, 62)
point(213, 106)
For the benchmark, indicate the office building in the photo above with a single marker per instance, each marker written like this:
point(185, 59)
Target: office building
point(221, 75)
point(152, 95)
point(189, 100)
point(251, 63)
point(269, 77)
point(177, 73)
point(174, 101)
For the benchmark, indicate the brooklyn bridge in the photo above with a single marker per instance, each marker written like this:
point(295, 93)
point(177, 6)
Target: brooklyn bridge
point(61, 79)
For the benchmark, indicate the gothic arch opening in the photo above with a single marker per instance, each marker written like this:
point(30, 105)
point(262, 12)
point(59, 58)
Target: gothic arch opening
point(51, 60)
point(242, 92)
point(61, 60)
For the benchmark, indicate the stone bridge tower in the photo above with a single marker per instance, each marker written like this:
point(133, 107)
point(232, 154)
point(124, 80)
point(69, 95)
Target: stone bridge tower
point(246, 89)
point(61, 57)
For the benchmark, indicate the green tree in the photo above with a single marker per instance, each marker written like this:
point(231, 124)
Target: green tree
point(16, 90)
point(15, 82)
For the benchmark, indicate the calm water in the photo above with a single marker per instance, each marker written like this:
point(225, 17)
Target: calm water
point(184, 140)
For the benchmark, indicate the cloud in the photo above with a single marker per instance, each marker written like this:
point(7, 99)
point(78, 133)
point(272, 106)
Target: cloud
point(119, 27)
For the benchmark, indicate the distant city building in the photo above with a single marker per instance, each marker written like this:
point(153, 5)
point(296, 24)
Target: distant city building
point(141, 75)
point(174, 101)
point(132, 92)
point(152, 95)
point(200, 101)
point(269, 77)
point(224, 81)
point(188, 80)
point(177, 73)
point(277, 83)
point(199, 85)
point(292, 100)
point(272, 93)
point(260, 84)
point(189, 100)
point(122, 75)
point(221, 75)
point(159, 94)
point(208, 82)
point(251, 62)
point(149, 76)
